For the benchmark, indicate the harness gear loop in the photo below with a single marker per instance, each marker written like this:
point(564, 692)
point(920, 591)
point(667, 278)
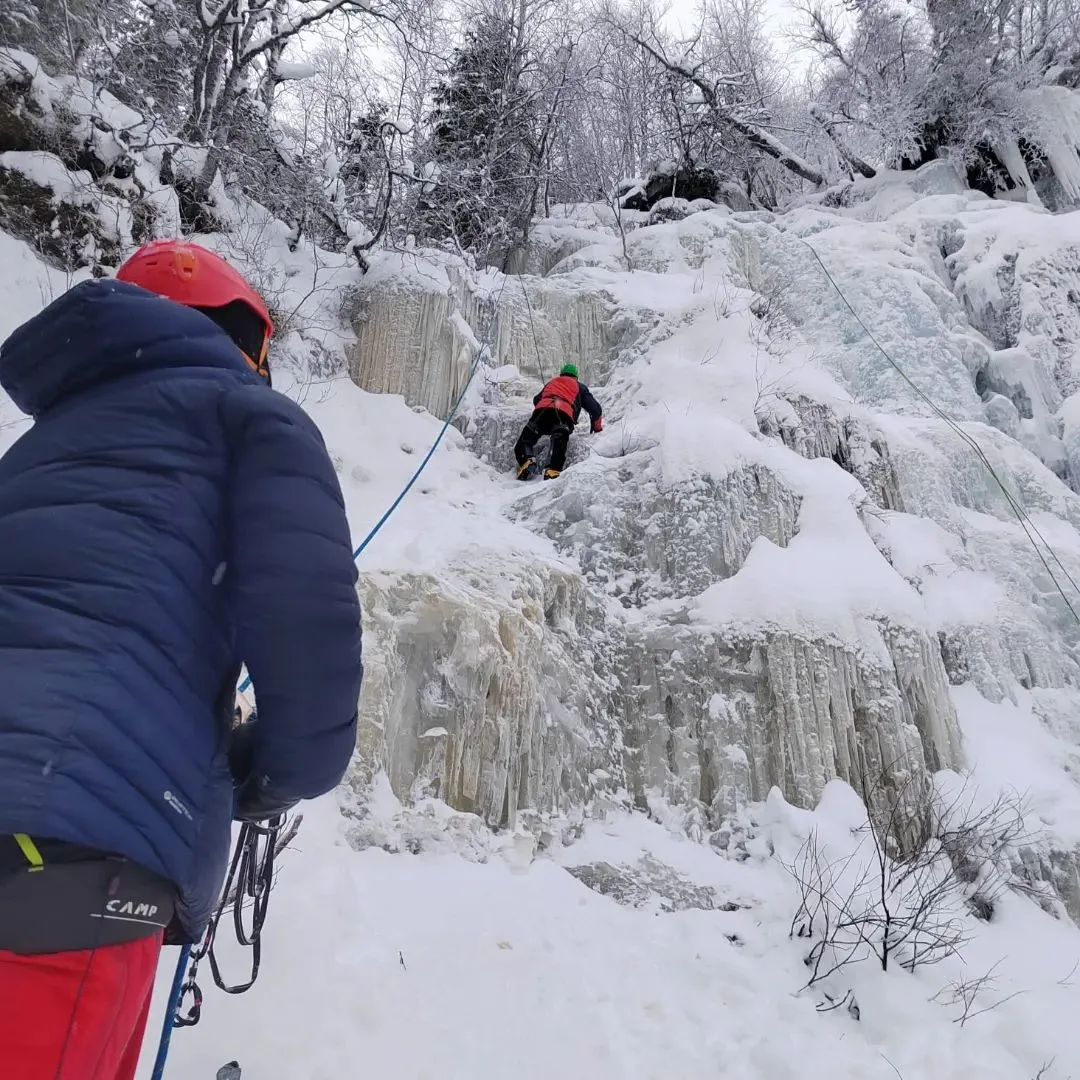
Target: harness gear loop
point(248, 883)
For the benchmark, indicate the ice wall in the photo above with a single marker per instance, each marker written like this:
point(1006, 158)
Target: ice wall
point(719, 718)
point(1018, 278)
point(641, 539)
point(412, 333)
point(783, 708)
point(759, 443)
point(417, 326)
point(543, 702)
point(473, 691)
point(983, 573)
point(850, 438)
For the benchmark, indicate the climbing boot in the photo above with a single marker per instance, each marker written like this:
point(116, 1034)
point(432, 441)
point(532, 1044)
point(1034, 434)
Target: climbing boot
point(551, 474)
point(527, 469)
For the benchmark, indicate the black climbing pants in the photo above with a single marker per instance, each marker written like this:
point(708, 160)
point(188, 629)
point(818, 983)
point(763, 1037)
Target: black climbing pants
point(553, 423)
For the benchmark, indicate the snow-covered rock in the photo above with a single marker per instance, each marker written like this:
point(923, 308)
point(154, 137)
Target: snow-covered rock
point(72, 182)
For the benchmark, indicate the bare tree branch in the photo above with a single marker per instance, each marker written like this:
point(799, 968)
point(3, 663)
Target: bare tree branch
point(756, 136)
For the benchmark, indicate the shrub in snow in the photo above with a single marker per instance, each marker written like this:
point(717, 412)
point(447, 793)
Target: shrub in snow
point(926, 859)
point(60, 213)
point(56, 32)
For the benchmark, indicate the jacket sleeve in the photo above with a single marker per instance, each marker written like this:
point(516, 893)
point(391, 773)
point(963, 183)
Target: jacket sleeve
point(589, 403)
point(293, 600)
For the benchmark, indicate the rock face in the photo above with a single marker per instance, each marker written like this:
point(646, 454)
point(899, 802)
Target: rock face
point(686, 183)
point(605, 672)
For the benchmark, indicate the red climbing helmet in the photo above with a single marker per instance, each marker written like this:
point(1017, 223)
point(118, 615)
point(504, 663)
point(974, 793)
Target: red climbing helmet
point(199, 278)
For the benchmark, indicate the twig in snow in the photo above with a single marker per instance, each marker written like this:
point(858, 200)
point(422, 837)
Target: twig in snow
point(967, 992)
point(892, 1066)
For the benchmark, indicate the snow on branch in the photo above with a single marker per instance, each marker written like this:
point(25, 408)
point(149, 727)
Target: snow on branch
point(293, 26)
point(753, 133)
point(830, 125)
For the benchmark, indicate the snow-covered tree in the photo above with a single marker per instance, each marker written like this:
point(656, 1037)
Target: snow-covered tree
point(903, 85)
point(240, 51)
point(613, 118)
point(478, 156)
point(871, 78)
point(150, 58)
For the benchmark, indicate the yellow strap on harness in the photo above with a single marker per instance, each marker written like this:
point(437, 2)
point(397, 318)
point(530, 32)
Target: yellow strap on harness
point(30, 850)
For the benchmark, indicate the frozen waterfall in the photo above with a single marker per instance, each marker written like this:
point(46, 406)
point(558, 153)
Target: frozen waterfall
point(777, 566)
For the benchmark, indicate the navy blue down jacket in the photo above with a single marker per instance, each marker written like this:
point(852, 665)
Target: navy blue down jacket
point(167, 518)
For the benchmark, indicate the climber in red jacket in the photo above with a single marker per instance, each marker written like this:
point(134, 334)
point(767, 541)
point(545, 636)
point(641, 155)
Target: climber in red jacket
point(557, 408)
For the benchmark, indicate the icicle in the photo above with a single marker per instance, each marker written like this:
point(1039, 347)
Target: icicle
point(1008, 152)
point(1055, 119)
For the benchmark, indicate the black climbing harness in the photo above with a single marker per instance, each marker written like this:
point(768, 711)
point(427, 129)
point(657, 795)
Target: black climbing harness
point(248, 885)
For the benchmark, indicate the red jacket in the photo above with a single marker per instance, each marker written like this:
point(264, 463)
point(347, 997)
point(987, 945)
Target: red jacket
point(569, 396)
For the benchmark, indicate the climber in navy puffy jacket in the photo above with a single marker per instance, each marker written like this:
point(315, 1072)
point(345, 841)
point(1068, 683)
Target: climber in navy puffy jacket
point(168, 518)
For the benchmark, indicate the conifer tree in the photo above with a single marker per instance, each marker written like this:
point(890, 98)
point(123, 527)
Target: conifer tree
point(480, 147)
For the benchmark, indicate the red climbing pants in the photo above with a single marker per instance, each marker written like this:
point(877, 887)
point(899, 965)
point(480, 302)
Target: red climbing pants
point(76, 1015)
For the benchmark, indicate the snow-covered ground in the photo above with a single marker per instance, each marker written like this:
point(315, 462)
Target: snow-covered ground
point(434, 966)
point(442, 949)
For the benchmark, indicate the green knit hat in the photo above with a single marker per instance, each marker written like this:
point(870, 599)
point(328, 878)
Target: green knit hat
point(569, 369)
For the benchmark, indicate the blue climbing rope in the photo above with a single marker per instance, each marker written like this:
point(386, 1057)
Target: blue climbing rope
point(423, 464)
point(171, 1007)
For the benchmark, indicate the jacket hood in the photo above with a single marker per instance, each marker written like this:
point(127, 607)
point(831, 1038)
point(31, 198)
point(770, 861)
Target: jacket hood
point(103, 330)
